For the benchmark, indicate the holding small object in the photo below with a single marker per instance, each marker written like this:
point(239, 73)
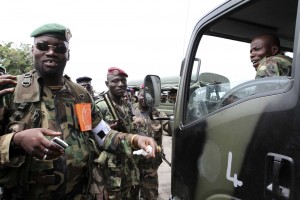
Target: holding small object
point(43, 105)
point(151, 128)
point(60, 142)
point(143, 152)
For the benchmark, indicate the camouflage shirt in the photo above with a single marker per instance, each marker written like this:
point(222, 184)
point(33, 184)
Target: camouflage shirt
point(278, 65)
point(123, 111)
point(120, 172)
point(148, 127)
point(39, 107)
point(149, 167)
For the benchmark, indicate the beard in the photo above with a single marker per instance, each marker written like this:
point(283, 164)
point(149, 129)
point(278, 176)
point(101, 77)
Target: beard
point(44, 71)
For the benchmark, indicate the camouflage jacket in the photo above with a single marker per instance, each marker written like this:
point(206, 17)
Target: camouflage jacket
point(124, 167)
point(124, 113)
point(151, 128)
point(35, 106)
point(148, 127)
point(278, 65)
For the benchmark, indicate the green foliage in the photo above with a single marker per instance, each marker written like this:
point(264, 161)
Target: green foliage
point(16, 59)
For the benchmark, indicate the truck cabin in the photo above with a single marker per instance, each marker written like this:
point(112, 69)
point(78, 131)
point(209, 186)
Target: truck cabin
point(234, 135)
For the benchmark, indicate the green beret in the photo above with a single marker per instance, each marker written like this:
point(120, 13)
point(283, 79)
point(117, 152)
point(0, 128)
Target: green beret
point(53, 29)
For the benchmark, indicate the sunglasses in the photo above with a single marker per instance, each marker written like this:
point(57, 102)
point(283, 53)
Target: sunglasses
point(87, 86)
point(61, 49)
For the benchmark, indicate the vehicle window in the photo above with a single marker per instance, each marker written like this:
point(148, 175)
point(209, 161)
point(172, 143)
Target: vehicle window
point(226, 76)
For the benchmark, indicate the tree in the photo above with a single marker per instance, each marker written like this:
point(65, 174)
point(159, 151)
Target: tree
point(16, 59)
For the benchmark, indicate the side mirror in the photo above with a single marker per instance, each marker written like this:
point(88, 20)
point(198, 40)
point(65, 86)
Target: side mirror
point(152, 94)
point(152, 90)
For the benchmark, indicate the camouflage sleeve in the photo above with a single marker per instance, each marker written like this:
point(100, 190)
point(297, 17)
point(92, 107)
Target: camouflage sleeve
point(97, 187)
point(96, 115)
point(6, 154)
point(6, 160)
point(103, 108)
point(274, 66)
point(114, 142)
point(4, 148)
point(101, 105)
point(267, 68)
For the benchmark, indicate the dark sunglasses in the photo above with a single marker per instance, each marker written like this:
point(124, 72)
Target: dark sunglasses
point(61, 49)
point(87, 86)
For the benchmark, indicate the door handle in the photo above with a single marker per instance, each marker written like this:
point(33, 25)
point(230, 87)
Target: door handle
point(279, 177)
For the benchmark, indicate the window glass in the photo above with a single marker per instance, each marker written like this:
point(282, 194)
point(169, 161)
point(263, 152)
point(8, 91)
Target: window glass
point(226, 75)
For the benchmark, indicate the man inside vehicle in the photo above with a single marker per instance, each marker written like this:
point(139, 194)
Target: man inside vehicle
point(267, 57)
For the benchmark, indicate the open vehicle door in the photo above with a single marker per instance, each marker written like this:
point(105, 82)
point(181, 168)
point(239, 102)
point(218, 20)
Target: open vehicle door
point(238, 138)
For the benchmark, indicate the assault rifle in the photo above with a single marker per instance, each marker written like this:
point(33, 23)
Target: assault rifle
point(121, 126)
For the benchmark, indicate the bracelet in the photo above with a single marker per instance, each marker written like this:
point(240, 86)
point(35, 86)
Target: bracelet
point(131, 141)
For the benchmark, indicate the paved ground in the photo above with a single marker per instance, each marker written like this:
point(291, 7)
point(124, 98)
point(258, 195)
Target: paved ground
point(164, 171)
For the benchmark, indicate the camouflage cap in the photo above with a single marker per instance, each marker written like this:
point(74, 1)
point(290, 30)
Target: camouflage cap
point(53, 29)
point(84, 78)
point(116, 71)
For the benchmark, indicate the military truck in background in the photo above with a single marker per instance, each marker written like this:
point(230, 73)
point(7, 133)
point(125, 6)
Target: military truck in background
point(236, 137)
point(169, 86)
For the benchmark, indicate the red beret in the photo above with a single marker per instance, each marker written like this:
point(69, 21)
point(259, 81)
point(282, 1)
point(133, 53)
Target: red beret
point(116, 71)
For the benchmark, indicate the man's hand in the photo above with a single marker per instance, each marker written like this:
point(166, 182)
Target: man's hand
point(113, 124)
point(34, 142)
point(7, 80)
point(143, 141)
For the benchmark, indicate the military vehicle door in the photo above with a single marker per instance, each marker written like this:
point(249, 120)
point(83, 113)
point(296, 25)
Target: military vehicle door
point(237, 137)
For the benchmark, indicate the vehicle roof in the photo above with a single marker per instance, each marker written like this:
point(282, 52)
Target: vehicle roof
point(264, 16)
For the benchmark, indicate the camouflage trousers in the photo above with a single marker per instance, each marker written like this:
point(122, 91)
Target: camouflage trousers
point(149, 178)
point(121, 176)
point(129, 193)
point(10, 195)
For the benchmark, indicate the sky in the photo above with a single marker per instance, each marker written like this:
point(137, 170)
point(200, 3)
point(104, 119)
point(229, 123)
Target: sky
point(139, 36)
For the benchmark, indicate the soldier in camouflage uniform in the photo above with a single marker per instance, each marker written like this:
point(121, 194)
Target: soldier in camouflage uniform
point(86, 82)
point(46, 104)
point(120, 173)
point(152, 128)
point(267, 58)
